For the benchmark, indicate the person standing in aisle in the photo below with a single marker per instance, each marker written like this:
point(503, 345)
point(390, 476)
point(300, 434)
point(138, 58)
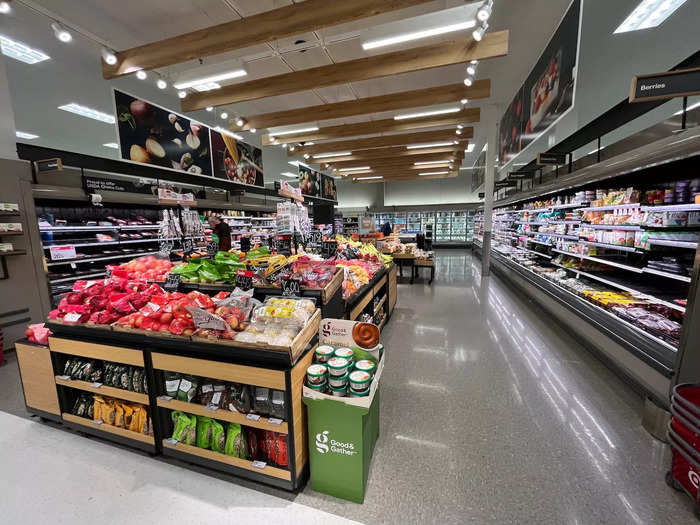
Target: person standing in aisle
point(387, 229)
point(221, 232)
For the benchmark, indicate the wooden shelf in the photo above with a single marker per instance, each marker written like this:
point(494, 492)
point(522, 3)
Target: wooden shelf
point(108, 391)
point(104, 427)
point(223, 415)
point(5, 234)
point(362, 304)
point(113, 354)
point(229, 460)
point(13, 252)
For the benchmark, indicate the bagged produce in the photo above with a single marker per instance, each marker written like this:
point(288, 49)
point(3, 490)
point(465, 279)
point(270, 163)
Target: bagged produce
point(236, 445)
point(185, 430)
point(98, 403)
point(218, 441)
point(108, 412)
point(261, 402)
point(204, 432)
point(118, 415)
point(187, 388)
point(240, 398)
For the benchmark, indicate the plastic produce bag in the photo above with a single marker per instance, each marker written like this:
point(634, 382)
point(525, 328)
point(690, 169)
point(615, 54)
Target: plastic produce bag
point(218, 441)
point(172, 384)
point(204, 432)
point(187, 389)
point(185, 430)
point(236, 444)
point(261, 402)
point(240, 398)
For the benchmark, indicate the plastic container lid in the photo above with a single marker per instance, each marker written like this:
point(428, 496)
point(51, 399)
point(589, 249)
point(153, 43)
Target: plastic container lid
point(316, 370)
point(345, 352)
point(338, 363)
point(360, 380)
point(325, 351)
point(366, 365)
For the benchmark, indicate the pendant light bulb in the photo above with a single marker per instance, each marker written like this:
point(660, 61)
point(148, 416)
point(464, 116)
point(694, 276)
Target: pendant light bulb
point(162, 84)
point(141, 75)
point(182, 94)
point(5, 8)
point(61, 32)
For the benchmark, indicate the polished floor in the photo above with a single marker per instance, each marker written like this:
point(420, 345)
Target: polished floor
point(491, 413)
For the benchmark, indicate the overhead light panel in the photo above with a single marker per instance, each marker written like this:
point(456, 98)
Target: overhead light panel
point(359, 168)
point(208, 75)
point(427, 113)
point(426, 162)
point(112, 145)
point(417, 35)
point(5, 8)
point(369, 178)
point(429, 145)
point(293, 131)
point(424, 174)
point(289, 174)
point(649, 13)
point(328, 155)
point(141, 75)
point(209, 108)
point(470, 148)
point(88, 112)
point(21, 52)
point(61, 32)
point(25, 135)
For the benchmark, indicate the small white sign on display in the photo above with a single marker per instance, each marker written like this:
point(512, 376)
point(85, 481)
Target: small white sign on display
point(61, 253)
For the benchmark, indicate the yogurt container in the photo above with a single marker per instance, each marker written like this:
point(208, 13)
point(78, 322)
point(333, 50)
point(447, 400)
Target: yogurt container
point(365, 365)
point(338, 366)
point(324, 353)
point(338, 392)
point(338, 381)
point(360, 381)
point(345, 352)
point(316, 374)
point(319, 388)
point(358, 394)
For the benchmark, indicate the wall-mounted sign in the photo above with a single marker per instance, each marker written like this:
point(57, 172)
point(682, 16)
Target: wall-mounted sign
point(521, 174)
point(662, 86)
point(309, 181)
point(94, 184)
point(482, 195)
point(42, 166)
point(235, 160)
point(551, 159)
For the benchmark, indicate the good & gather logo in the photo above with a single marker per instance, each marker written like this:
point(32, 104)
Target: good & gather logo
point(337, 447)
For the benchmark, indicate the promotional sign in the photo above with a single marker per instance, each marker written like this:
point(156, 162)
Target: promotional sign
point(235, 160)
point(291, 287)
point(244, 279)
point(203, 319)
point(43, 166)
point(547, 93)
point(93, 184)
point(551, 159)
point(329, 249)
point(172, 282)
point(309, 181)
point(150, 134)
point(61, 253)
point(328, 188)
point(667, 85)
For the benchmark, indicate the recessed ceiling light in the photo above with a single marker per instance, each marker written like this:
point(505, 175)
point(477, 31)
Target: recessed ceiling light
point(427, 113)
point(293, 131)
point(5, 7)
point(112, 145)
point(426, 162)
point(649, 13)
point(25, 135)
point(206, 87)
point(88, 112)
point(358, 168)
point(369, 178)
point(141, 75)
point(417, 35)
point(433, 173)
point(21, 52)
point(326, 155)
point(61, 32)
point(108, 56)
point(209, 108)
point(212, 78)
point(224, 115)
point(227, 132)
point(162, 84)
point(464, 101)
point(429, 145)
point(289, 174)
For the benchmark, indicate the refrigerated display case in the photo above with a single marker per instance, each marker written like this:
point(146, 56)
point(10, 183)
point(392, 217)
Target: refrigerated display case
point(458, 231)
point(413, 222)
point(443, 222)
point(427, 218)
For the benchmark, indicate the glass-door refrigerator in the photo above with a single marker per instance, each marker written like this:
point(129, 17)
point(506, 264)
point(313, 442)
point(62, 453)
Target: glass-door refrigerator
point(443, 220)
point(413, 222)
point(458, 232)
point(470, 226)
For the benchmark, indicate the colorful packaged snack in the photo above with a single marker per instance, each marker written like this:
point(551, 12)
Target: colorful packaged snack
point(204, 432)
point(218, 438)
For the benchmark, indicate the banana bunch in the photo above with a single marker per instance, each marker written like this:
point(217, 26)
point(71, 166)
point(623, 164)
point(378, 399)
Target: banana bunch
point(274, 263)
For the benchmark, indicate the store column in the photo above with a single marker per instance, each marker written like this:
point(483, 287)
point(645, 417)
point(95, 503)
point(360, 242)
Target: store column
point(491, 150)
point(8, 147)
point(688, 357)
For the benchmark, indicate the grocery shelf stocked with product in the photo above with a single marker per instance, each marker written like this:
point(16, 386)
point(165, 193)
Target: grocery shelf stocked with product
point(621, 255)
point(445, 227)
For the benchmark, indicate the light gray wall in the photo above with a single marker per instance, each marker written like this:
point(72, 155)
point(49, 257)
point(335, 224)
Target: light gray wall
point(7, 118)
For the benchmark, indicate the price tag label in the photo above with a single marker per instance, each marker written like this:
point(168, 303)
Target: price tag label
point(171, 441)
point(164, 399)
point(108, 272)
point(61, 253)
point(274, 421)
point(204, 319)
point(213, 408)
point(259, 464)
point(252, 417)
point(64, 378)
point(244, 279)
point(172, 282)
point(96, 385)
point(212, 248)
point(291, 287)
point(98, 422)
point(316, 237)
point(187, 246)
point(164, 249)
point(283, 246)
point(71, 317)
point(329, 249)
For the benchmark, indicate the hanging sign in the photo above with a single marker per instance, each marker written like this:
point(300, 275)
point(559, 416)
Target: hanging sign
point(551, 159)
point(43, 166)
point(667, 85)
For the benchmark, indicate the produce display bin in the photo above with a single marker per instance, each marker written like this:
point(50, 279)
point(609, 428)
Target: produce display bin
point(343, 432)
point(382, 287)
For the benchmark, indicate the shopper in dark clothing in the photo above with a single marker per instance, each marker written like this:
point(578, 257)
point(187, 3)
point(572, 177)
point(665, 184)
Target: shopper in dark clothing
point(222, 233)
point(387, 229)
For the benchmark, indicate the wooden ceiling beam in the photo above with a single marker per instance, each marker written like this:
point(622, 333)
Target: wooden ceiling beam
point(364, 106)
point(464, 116)
point(436, 55)
point(268, 26)
point(384, 141)
point(400, 161)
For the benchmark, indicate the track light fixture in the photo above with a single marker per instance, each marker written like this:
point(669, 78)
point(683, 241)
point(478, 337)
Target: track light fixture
point(252, 130)
point(209, 108)
point(108, 56)
point(464, 101)
point(479, 32)
point(484, 12)
point(240, 122)
point(61, 32)
point(224, 115)
point(468, 81)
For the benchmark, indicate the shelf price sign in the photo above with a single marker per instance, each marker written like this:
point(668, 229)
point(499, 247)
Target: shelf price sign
point(172, 282)
point(212, 248)
point(329, 249)
point(244, 279)
point(291, 287)
point(187, 246)
point(203, 319)
point(61, 253)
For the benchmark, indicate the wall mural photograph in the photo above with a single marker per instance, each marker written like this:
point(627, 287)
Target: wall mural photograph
point(235, 160)
point(309, 181)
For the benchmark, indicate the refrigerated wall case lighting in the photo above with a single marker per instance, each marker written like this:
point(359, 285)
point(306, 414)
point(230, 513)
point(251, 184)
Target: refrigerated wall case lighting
point(369, 178)
point(84, 111)
point(20, 51)
point(427, 113)
point(649, 13)
point(417, 35)
point(25, 135)
point(5, 8)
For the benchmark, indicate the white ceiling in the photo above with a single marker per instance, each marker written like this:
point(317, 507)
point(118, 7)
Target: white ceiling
point(74, 73)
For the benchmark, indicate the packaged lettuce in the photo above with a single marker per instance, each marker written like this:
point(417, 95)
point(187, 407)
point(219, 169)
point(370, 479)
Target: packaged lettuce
point(236, 444)
point(218, 437)
point(204, 432)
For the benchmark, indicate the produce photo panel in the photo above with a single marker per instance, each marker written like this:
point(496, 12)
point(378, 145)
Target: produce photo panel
point(235, 160)
point(150, 134)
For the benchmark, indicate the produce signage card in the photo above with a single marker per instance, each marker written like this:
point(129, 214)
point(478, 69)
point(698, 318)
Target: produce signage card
point(150, 134)
point(328, 189)
point(309, 181)
point(342, 332)
point(235, 160)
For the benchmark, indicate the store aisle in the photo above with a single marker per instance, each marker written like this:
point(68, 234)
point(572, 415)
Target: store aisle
point(492, 414)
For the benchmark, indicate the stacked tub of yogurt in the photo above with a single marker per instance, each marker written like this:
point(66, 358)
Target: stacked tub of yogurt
point(336, 372)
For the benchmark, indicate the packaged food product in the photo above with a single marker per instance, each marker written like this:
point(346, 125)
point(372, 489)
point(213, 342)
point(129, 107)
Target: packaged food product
point(360, 380)
point(236, 444)
point(338, 381)
point(366, 365)
point(338, 366)
point(316, 374)
point(108, 412)
point(338, 391)
point(185, 429)
point(318, 388)
point(324, 353)
point(261, 401)
point(354, 393)
point(204, 432)
point(240, 398)
point(218, 438)
point(277, 404)
point(345, 352)
point(118, 415)
point(187, 388)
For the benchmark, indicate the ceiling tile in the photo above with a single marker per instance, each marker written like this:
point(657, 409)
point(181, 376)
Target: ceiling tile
point(339, 93)
point(253, 7)
point(313, 57)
